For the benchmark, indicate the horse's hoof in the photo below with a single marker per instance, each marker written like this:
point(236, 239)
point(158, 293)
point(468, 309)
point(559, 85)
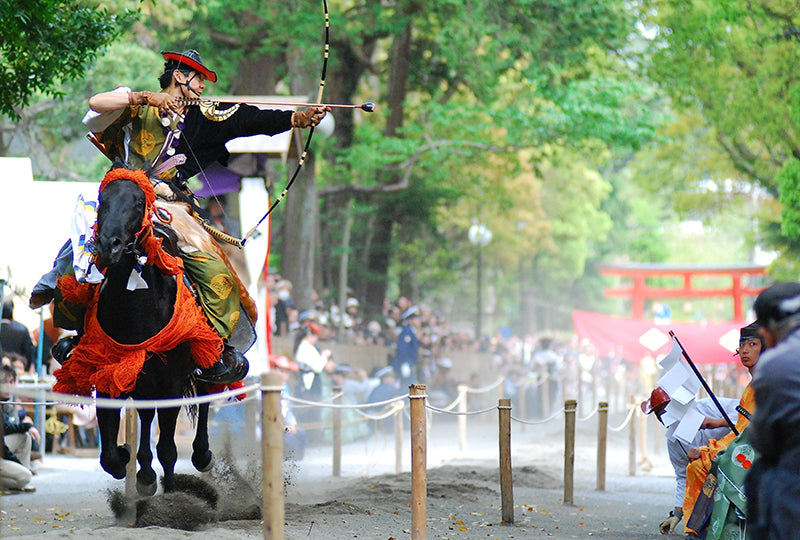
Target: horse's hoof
point(205, 464)
point(146, 490)
point(146, 482)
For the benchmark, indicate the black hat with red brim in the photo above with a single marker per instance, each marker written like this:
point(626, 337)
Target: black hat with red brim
point(190, 59)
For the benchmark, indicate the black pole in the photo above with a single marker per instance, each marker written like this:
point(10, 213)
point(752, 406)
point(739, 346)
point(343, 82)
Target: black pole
point(479, 325)
point(705, 384)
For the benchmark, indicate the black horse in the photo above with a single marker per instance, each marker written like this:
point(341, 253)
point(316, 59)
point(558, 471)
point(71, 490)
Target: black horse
point(131, 317)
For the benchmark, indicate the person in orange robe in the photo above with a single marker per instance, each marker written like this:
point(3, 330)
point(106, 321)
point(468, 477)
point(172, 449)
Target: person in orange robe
point(751, 344)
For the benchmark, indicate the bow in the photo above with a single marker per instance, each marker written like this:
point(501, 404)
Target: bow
point(302, 159)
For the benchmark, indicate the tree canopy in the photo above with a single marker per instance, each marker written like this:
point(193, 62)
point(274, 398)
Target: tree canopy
point(45, 42)
point(577, 132)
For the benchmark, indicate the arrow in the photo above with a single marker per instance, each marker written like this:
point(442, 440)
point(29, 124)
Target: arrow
point(368, 107)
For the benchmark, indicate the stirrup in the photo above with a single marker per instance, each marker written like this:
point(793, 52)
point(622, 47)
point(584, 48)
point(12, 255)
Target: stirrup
point(232, 367)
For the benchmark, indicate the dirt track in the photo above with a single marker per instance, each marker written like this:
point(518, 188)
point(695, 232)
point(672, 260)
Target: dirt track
point(369, 501)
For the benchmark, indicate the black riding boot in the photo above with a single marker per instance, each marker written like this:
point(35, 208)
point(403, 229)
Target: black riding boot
point(44, 291)
point(62, 350)
point(232, 367)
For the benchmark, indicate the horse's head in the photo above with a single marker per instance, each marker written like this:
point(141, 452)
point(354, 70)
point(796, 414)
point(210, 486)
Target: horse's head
point(123, 213)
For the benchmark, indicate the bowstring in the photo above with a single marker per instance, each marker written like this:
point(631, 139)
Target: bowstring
point(302, 159)
point(202, 171)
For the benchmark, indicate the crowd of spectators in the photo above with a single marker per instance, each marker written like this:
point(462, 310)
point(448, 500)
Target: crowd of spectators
point(539, 371)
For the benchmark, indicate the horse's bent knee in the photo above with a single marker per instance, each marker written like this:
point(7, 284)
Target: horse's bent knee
point(114, 461)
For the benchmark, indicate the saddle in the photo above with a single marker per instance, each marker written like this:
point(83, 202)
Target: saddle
point(174, 219)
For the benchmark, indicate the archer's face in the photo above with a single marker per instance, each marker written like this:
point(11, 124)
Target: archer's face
point(196, 82)
point(749, 351)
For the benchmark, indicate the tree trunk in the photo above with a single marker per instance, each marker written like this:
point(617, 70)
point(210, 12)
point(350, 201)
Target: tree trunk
point(255, 76)
point(378, 263)
point(299, 242)
point(380, 256)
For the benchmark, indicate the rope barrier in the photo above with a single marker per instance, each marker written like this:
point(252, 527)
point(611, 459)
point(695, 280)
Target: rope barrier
point(342, 406)
point(631, 410)
point(328, 424)
point(461, 395)
point(238, 401)
point(109, 403)
point(307, 404)
point(536, 422)
point(30, 403)
point(467, 413)
point(390, 411)
point(590, 415)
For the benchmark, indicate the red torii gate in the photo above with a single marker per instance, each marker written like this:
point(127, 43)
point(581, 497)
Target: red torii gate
point(638, 291)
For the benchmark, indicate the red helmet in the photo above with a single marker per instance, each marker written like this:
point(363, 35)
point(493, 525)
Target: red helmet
point(658, 397)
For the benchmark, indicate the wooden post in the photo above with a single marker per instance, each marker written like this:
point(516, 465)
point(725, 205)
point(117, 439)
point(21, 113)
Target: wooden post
point(462, 418)
point(602, 440)
point(569, 449)
point(506, 482)
point(398, 441)
point(632, 444)
point(131, 436)
point(419, 448)
point(272, 456)
point(337, 432)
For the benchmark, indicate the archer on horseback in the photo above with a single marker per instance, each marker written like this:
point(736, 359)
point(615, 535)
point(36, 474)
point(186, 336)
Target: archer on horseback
point(158, 132)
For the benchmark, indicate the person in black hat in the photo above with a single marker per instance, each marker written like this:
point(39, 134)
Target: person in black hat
point(161, 127)
point(701, 457)
point(174, 141)
point(773, 483)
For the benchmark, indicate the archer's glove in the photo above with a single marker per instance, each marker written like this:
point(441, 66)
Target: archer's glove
point(165, 102)
point(669, 524)
point(309, 117)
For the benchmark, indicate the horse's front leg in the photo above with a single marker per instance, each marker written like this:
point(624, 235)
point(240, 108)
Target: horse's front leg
point(166, 449)
point(113, 458)
point(202, 458)
point(146, 484)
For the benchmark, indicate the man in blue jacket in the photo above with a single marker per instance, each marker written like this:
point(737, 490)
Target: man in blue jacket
point(405, 359)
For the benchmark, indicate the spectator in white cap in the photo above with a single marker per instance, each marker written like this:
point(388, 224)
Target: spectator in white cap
point(352, 317)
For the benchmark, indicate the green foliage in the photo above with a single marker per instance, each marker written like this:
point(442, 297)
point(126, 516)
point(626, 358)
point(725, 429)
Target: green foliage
point(509, 110)
point(734, 62)
point(789, 181)
point(48, 41)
